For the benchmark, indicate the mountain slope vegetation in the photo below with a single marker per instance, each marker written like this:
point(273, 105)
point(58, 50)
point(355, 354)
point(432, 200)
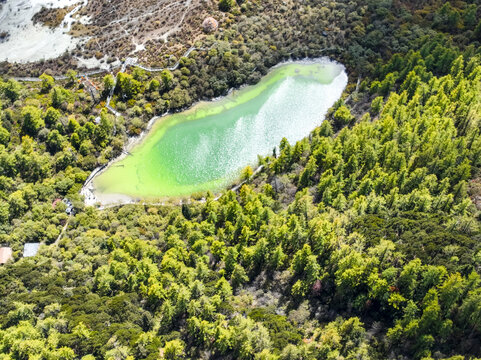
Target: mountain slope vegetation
point(361, 241)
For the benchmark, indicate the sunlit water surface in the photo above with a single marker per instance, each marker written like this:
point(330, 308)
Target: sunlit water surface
point(205, 147)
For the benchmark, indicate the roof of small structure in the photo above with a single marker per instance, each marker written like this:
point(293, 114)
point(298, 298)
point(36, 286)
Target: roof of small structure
point(5, 254)
point(30, 249)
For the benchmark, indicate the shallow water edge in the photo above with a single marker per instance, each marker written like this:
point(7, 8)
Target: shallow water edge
point(179, 155)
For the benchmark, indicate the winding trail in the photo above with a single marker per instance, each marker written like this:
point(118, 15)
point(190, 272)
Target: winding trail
point(127, 63)
point(63, 77)
point(166, 35)
point(64, 228)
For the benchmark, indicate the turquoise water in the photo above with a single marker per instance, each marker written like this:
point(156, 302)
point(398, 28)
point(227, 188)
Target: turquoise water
point(205, 147)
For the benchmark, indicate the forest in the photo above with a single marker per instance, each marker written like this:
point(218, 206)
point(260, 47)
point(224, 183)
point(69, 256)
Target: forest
point(362, 241)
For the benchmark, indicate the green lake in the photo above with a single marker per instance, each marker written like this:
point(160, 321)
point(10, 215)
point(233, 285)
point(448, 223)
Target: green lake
point(206, 146)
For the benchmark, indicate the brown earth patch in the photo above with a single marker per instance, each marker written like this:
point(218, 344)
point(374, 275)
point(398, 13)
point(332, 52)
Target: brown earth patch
point(51, 18)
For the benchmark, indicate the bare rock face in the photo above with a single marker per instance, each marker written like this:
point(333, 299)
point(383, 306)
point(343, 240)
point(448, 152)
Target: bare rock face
point(210, 24)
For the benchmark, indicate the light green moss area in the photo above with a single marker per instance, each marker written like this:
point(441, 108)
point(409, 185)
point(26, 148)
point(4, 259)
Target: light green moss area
point(206, 146)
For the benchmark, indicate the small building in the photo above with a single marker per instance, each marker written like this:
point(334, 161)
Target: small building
point(70, 209)
point(30, 249)
point(5, 254)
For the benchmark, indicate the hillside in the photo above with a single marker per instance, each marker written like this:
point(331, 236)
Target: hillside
point(361, 241)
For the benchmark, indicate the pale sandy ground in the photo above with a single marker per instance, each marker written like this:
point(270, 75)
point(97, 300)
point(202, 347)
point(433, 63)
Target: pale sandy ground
point(94, 63)
point(28, 42)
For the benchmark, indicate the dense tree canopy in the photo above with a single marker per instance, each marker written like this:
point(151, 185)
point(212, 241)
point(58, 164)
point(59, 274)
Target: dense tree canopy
point(361, 241)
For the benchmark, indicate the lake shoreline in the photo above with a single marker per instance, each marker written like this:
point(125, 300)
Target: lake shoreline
point(95, 197)
point(88, 190)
